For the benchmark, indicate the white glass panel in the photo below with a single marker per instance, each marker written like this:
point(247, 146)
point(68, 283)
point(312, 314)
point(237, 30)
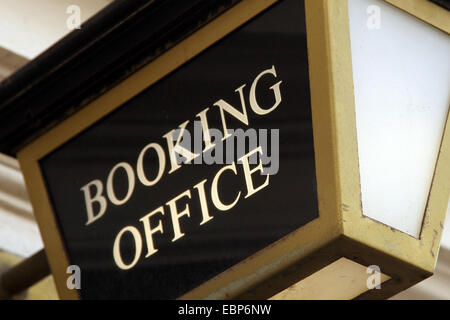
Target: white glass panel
point(401, 70)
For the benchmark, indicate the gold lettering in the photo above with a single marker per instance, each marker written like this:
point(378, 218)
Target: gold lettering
point(177, 215)
point(138, 247)
point(149, 231)
point(177, 148)
point(248, 173)
point(225, 106)
point(215, 191)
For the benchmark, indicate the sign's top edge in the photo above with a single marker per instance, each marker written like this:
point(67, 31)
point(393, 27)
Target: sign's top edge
point(110, 46)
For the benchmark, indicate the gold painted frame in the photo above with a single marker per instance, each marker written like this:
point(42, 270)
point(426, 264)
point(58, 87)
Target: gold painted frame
point(340, 231)
point(426, 11)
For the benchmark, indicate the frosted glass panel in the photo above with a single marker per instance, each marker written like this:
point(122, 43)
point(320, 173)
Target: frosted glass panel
point(401, 70)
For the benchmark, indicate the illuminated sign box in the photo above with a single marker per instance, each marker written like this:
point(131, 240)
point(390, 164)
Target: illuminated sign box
point(225, 168)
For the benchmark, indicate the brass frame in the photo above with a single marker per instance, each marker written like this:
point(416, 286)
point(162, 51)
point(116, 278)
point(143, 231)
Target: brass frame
point(340, 231)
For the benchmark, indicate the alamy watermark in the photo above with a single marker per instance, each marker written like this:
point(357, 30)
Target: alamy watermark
point(226, 149)
point(74, 20)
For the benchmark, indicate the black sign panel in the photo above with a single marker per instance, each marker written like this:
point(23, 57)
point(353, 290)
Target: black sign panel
point(140, 223)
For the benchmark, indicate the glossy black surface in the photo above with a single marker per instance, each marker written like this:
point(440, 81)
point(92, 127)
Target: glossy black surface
point(275, 38)
point(443, 3)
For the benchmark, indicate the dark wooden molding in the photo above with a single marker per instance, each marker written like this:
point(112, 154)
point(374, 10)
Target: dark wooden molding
point(108, 48)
